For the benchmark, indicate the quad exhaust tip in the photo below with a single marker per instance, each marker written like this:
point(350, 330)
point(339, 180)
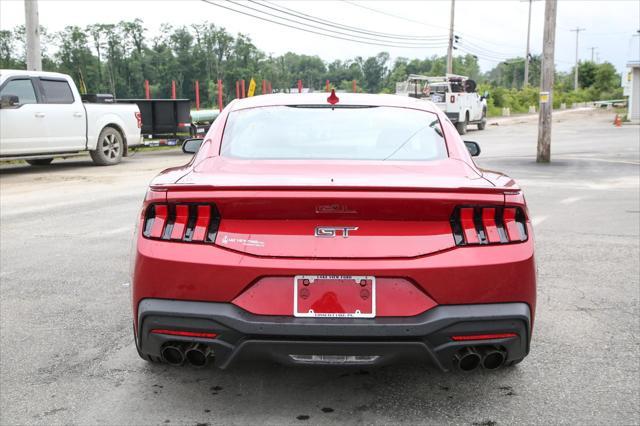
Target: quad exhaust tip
point(198, 355)
point(468, 359)
point(492, 358)
point(172, 355)
point(489, 357)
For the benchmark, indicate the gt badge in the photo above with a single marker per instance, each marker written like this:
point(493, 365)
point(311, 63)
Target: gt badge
point(332, 231)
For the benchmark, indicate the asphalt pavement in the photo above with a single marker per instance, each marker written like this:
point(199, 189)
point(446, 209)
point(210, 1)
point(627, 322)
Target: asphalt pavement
point(66, 348)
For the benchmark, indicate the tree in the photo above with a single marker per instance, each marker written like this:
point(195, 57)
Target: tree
point(7, 49)
point(75, 58)
point(117, 58)
point(587, 74)
point(374, 70)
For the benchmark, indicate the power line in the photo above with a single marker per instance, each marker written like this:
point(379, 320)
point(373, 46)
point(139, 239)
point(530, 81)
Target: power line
point(482, 49)
point(404, 18)
point(312, 18)
point(316, 32)
point(464, 49)
point(484, 52)
point(402, 43)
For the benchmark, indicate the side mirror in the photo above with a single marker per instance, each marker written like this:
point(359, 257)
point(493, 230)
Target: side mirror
point(9, 101)
point(473, 147)
point(191, 146)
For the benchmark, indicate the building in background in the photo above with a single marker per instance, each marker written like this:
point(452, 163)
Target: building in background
point(631, 80)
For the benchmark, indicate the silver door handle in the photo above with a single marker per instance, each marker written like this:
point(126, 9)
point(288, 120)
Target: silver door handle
point(77, 114)
point(39, 114)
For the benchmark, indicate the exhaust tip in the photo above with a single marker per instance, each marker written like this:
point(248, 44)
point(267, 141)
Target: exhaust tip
point(468, 359)
point(493, 359)
point(198, 355)
point(172, 355)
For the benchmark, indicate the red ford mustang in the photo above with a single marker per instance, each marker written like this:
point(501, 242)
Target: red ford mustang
point(354, 230)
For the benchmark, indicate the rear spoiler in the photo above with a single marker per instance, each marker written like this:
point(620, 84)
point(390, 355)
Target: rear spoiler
point(514, 190)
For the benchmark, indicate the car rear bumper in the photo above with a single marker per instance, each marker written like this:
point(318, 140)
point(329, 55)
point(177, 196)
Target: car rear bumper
point(292, 340)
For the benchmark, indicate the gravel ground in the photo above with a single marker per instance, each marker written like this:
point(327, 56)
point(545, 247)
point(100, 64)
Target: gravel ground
point(66, 349)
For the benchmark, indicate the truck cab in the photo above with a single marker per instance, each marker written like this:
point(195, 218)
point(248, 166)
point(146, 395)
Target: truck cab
point(43, 116)
point(454, 94)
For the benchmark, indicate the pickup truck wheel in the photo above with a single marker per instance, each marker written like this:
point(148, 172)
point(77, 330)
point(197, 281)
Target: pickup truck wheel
point(109, 149)
point(461, 126)
point(483, 121)
point(40, 162)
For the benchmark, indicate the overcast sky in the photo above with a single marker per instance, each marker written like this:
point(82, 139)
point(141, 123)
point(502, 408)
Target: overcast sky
point(493, 29)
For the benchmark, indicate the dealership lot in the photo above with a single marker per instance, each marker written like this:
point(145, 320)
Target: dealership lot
point(66, 349)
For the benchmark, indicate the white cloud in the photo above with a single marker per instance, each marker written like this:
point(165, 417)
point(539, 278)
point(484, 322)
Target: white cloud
point(498, 27)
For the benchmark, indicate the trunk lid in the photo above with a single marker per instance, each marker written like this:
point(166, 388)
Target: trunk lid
point(333, 210)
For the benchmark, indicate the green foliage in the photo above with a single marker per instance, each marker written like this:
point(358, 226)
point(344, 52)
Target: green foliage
point(118, 58)
point(373, 72)
point(511, 73)
point(518, 101)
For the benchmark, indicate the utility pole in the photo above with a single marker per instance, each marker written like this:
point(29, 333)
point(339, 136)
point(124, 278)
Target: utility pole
point(450, 49)
point(526, 58)
point(546, 83)
point(593, 48)
point(32, 27)
point(575, 73)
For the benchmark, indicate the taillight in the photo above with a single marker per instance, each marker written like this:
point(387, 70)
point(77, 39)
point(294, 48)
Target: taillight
point(473, 225)
point(467, 337)
point(184, 333)
point(189, 222)
point(139, 120)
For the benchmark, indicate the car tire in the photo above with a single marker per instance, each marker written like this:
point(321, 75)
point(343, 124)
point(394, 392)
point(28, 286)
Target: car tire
point(40, 162)
point(109, 149)
point(461, 126)
point(483, 121)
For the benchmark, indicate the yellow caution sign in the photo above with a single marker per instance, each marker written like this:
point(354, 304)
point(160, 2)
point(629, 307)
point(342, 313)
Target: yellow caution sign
point(252, 88)
point(544, 97)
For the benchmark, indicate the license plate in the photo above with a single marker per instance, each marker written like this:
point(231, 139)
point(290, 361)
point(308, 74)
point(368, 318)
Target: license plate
point(334, 296)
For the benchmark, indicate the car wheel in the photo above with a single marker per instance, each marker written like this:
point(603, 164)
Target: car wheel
point(461, 126)
point(483, 121)
point(109, 149)
point(40, 162)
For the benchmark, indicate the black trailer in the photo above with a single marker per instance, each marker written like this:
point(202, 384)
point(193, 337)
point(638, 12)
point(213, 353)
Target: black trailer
point(163, 117)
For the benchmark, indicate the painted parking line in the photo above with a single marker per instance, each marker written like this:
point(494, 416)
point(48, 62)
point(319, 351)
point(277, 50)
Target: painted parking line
point(570, 200)
point(537, 220)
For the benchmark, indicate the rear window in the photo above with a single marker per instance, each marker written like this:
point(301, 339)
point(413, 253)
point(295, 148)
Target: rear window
point(341, 133)
point(56, 92)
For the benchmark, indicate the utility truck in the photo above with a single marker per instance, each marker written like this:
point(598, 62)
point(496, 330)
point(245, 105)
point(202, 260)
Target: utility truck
point(43, 116)
point(454, 94)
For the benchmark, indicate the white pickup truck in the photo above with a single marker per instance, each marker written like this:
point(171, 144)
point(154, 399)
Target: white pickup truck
point(42, 116)
point(454, 94)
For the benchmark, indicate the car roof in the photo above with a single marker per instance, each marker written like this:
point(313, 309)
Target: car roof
point(320, 98)
point(11, 73)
